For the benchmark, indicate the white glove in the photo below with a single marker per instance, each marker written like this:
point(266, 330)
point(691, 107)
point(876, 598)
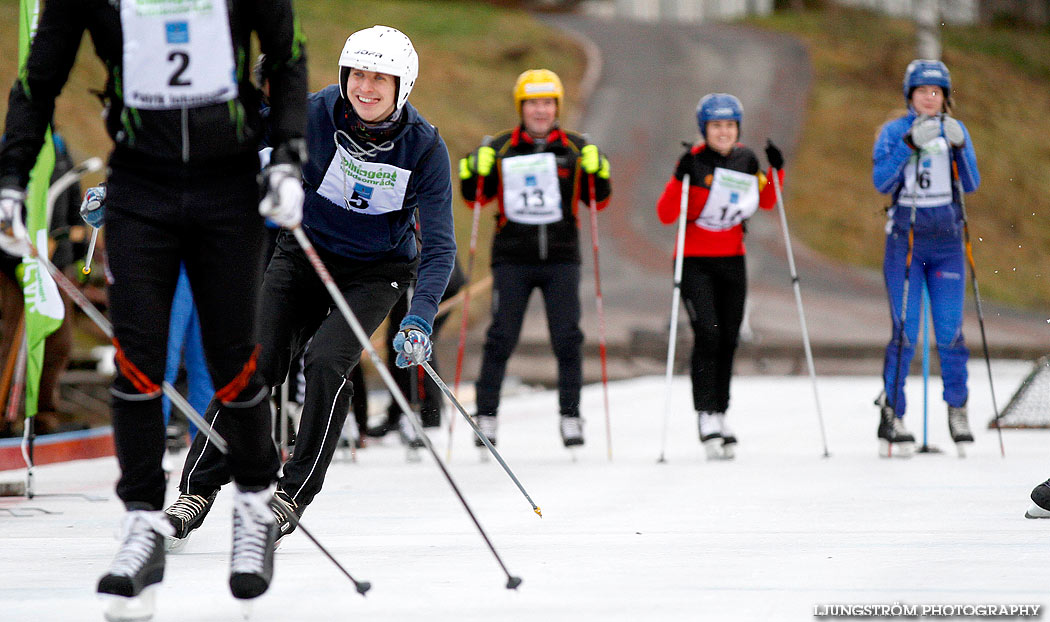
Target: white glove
point(924, 129)
point(13, 237)
point(283, 202)
point(953, 132)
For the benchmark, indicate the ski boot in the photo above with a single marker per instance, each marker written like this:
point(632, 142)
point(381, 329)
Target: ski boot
point(710, 427)
point(286, 511)
point(254, 537)
point(728, 438)
point(894, 439)
point(129, 584)
point(571, 430)
point(186, 515)
point(410, 438)
point(1040, 501)
point(959, 427)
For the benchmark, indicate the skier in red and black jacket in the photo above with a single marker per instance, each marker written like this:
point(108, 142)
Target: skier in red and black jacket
point(725, 188)
point(537, 173)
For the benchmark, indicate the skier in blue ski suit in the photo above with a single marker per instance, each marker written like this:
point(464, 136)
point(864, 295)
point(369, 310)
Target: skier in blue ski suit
point(948, 165)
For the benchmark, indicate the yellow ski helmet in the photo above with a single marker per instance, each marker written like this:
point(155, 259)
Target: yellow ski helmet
point(537, 84)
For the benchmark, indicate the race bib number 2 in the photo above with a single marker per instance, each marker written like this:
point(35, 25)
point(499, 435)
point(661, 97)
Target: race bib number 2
point(177, 54)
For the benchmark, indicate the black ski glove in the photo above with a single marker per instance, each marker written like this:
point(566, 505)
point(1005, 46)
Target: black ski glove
point(774, 156)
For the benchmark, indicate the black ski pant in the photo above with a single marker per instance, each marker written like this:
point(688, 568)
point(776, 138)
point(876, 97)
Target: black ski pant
point(295, 307)
point(713, 289)
point(414, 381)
point(210, 222)
point(512, 284)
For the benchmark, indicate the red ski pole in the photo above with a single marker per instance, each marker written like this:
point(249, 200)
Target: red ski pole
point(465, 313)
point(601, 312)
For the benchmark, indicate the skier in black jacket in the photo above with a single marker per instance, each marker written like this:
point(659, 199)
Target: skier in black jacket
point(182, 187)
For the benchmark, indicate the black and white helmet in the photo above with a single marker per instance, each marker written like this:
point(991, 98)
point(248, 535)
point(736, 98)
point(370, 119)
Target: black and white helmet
point(384, 50)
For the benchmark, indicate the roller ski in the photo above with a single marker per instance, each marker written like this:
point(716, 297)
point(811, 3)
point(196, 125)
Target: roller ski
point(254, 538)
point(186, 515)
point(959, 427)
point(1040, 507)
point(410, 439)
point(487, 426)
point(128, 588)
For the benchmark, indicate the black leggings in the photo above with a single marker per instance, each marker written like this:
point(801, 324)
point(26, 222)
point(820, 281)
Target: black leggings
point(296, 308)
point(512, 286)
point(211, 224)
point(713, 289)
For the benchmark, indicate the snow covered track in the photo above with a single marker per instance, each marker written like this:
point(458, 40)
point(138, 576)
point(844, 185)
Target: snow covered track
point(764, 537)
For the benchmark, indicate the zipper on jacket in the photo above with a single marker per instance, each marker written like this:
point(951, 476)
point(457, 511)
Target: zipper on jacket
point(185, 135)
point(543, 242)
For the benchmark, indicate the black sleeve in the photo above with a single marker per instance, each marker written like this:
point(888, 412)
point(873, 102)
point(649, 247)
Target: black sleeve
point(282, 41)
point(31, 103)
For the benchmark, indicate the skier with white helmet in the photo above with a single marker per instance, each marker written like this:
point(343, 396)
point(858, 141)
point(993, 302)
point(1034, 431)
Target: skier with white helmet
point(537, 173)
point(726, 188)
point(924, 160)
point(375, 166)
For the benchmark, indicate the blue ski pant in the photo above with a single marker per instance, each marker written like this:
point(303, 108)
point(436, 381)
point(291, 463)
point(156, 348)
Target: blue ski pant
point(939, 263)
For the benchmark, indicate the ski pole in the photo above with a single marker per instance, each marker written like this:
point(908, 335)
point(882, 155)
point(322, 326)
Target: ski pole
point(798, 301)
point(465, 313)
point(675, 298)
point(90, 252)
point(176, 398)
point(977, 299)
point(455, 402)
point(904, 294)
point(601, 312)
point(924, 311)
point(359, 332)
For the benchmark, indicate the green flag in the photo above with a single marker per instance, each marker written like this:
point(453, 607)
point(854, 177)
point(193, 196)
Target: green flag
point(43, 305)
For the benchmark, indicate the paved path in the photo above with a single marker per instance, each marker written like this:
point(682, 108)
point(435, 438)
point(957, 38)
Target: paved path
point(651, 77)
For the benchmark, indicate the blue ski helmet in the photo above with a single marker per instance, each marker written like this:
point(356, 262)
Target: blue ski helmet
point(925, 71)
point(718, 107)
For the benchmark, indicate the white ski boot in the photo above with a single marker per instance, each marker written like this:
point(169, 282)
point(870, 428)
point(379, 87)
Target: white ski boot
point(710, 434)
point(728, 438)
point(410, 439)
point(487, 425)
point(137, 568)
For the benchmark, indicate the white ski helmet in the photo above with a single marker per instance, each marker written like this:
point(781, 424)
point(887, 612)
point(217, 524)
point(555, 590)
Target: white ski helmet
point(384, 50)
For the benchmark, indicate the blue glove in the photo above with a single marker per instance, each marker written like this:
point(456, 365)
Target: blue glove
point(412, 342)
point(93, 209)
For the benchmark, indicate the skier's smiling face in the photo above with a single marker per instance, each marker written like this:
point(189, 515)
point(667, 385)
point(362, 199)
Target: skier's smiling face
point(539, 115)
point(927, 99)
point(722, 135)
point(372, 94)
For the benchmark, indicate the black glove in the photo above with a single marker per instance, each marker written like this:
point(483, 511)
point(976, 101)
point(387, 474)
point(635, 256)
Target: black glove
point(774, 156)
point(686, 166)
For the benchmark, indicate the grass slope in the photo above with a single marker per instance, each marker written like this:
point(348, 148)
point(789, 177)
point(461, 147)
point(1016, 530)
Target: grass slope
point(1001, 85)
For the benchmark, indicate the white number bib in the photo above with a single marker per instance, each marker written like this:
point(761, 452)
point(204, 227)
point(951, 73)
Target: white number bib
point(177, 54)
point(531, 194)
point(732, 199)
point(364, 187)
point(934, 186)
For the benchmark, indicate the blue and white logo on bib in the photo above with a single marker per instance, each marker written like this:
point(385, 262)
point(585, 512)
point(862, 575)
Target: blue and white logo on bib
point(734, 197)
point(530, 180)
point(363, 190)
point(177, 32)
